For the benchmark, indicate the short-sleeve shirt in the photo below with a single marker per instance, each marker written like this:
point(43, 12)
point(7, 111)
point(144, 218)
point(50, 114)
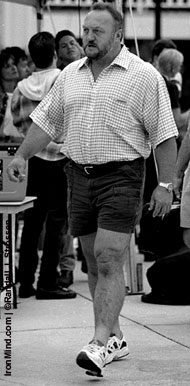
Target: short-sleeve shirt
point(118, 117)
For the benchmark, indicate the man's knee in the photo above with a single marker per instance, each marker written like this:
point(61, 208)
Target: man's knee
point(109, 261)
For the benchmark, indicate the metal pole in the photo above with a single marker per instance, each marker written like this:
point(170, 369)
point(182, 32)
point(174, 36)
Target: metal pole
point(39, 12)
point(157, 19)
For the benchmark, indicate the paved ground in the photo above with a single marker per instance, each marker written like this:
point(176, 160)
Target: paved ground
point(47, 335)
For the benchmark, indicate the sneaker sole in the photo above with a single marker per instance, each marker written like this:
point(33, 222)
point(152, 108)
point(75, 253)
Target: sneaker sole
point(86, 363)
point(117, 355)
point(94, 374)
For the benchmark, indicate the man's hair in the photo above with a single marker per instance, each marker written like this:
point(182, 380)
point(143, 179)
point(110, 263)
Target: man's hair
point(170, 61)
point(159, 46)
point(5, 55)
point(60, 35)
point(111, 8)
point(17, 52)
point(42, 49)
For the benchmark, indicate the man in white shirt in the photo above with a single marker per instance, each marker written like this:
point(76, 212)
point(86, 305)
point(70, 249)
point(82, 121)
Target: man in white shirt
point(111, 107)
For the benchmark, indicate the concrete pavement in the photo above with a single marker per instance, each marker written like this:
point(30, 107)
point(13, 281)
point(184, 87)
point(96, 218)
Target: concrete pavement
point(46, 336)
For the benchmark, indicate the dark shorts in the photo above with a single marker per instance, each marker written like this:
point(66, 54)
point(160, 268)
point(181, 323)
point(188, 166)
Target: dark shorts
point(107, 196)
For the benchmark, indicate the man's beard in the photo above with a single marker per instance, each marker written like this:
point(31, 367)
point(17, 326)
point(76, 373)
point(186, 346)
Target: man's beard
point(99, 54)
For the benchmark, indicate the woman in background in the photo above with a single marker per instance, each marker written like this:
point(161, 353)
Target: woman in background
point(8, 81)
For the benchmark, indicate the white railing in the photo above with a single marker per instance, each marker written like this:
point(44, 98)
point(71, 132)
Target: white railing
point(136, 4)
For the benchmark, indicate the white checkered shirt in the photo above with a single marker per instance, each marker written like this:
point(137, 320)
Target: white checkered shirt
point(118, 117)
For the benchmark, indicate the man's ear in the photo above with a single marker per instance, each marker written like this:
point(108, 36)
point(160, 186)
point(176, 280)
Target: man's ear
point(119, 34)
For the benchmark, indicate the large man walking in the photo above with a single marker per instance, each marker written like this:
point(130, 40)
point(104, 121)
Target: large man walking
point(112, 107)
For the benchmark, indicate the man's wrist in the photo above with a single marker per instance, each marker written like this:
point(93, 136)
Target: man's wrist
point(167, 185)
point(19, 156)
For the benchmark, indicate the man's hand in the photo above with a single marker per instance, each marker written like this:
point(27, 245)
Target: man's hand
point(161, 201)
point(178, 183)
point(17, 169)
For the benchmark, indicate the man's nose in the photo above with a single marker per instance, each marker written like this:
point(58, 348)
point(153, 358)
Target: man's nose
point(27, 69)
point(14, 67)
point(70, 45)
point(90, 36)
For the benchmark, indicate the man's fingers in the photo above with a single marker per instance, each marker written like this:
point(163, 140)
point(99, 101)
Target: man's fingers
point(161, 210)
point(15, 175)
point(151, 206)
point(12, 174)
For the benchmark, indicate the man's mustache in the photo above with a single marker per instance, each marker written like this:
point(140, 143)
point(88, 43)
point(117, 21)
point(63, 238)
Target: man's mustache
point(89, 45)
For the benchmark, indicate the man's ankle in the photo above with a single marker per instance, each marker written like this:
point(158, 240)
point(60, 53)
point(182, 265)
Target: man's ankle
point(118, 334)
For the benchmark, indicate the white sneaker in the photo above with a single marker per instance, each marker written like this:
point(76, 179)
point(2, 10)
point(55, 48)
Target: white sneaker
point(92, 358)
point(116, 349)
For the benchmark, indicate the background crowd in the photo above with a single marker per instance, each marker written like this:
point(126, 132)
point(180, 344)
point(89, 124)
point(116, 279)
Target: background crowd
point(25, 78)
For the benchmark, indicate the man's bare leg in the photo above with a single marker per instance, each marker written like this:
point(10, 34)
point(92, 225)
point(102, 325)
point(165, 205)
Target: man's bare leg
point(87, 243)
point(105, 253)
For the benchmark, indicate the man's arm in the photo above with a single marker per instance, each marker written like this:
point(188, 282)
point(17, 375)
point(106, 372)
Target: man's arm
point(183, 156)
point(183, 159)
point(165, 154)
point(35, 141)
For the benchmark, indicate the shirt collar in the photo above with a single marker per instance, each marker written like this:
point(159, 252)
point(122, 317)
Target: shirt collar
point(122, 59)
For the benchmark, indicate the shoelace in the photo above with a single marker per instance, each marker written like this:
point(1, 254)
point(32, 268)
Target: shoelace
point(93, 349)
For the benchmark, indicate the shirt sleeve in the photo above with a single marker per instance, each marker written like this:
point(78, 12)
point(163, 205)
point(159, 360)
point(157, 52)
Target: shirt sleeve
point(157, 112)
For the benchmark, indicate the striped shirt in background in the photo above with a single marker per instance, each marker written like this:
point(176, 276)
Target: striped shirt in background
point(118, 117)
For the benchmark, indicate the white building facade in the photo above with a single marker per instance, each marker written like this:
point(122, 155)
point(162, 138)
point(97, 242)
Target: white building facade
point(18, 22)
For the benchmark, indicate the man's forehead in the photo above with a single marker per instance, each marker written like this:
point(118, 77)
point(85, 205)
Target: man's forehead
point(67, 38)
point(22, 61)
point(97, 18)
